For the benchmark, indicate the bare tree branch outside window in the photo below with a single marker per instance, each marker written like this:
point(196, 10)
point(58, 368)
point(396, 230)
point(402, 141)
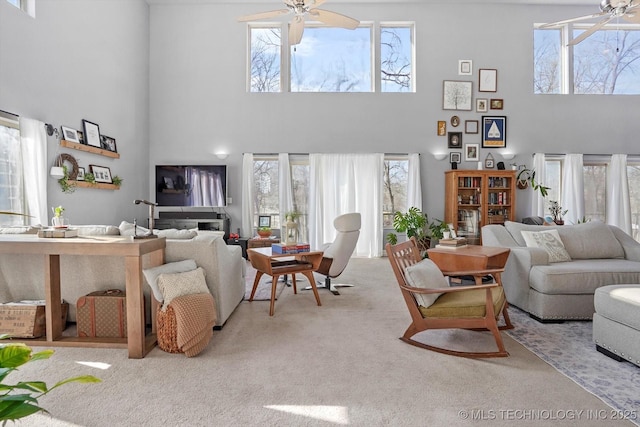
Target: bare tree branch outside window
point(265, 59)
point(395, 61)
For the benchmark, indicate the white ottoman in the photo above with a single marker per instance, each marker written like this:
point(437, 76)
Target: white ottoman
point(616, 322)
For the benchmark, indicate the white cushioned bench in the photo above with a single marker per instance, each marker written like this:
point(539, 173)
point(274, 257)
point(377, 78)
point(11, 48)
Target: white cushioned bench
point(616, 322)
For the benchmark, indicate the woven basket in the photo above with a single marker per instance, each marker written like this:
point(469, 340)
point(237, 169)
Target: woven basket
point(167, 330)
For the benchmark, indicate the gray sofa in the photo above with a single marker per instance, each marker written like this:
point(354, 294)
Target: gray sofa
point(22, 276)
point(600, 255)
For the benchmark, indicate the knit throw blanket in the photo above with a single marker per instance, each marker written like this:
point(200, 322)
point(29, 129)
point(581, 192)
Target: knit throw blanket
point(195, 317)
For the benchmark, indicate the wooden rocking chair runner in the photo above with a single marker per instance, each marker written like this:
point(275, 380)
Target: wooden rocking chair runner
point(475, 307)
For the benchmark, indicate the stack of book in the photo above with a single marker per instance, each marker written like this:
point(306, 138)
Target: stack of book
point(458, 242)
point(281, 248)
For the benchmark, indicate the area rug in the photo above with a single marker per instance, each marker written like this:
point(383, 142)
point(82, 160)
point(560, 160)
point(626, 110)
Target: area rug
point(263, 293)
point(569, 348)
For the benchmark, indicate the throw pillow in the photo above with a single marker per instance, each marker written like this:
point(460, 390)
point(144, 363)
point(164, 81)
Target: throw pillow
point(549, 241)
point(426, 274)
point(173, 285)
point(151, 274)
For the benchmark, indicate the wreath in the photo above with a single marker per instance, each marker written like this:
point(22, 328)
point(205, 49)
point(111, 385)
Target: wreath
point(72, 173)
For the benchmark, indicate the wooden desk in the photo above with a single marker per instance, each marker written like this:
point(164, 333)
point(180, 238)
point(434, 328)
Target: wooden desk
point(463, 261)
point(137, 341)
point(276, 265)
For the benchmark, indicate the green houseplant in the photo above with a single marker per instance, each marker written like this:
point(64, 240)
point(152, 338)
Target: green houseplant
point(527, 177)
point(413, 223)
point(21, 399)
point(66, 185)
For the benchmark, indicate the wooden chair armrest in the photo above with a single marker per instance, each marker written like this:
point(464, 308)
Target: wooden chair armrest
point(449, 289)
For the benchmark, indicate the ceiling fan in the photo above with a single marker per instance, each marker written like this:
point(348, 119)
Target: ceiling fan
point(629, 10)
point(302, 9)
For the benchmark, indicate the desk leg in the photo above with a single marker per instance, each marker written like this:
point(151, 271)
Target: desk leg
point(53, 297)
point(135, 307)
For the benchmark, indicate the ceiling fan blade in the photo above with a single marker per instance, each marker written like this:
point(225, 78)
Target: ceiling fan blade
point(296, 28)
point(263, 15)
point(590, 31)
point(581, 18)
point(334, 19)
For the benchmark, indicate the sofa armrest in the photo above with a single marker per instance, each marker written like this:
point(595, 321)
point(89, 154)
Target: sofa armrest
point(497, 235)
point(630, 246)
point(515, 278)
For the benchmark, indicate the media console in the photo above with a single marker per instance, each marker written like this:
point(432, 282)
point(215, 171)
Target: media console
point(190, 220)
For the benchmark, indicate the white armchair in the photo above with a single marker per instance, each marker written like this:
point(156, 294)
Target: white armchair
point(337, 254)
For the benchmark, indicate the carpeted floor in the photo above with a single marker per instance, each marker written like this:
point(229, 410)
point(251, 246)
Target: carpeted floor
point(338, 364)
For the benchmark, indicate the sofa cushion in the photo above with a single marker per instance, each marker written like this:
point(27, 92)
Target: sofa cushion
point(549, 240)
point(128, 229)
point(516, 229)
point(19, 229)
point(620, 303)
point(590, 240)
point(427, 275)
point(151, 274)
point(582, 276)
point(97, 230)
point(174, 285)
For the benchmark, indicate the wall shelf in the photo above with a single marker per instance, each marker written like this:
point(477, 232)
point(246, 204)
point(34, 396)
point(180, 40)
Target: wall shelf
point(88, 149)
point(98, 185)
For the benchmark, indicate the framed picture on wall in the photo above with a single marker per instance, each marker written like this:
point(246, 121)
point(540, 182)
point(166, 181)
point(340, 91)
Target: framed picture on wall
point(471, 126)
point(471, 152)
point(101, 173)
point(91, 134)
point(487, 80)
point(442, 128)
point(264, 221)
point(455, 157)
point(456, 95)
point(455, 140)
point(494, 131)
point(70, 134)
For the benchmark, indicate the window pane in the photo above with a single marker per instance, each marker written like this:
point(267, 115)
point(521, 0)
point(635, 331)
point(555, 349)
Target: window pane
point(395, 189)
point(595, 188)
point(547, 61)
point(16, 3)
point(332, 60)
point(10, 173)
point(552, 179)
point(300, 178)
point(604, 63)
point(396, 59)
point(265, 59)
point(265, 174)
point(633, 173)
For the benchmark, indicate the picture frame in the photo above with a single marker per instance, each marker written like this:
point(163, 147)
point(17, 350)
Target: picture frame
point(69, 134)
point(108, 143)
point(489, 161)
point(487, 80)
point(455, 140)
point(496, 104)
point(168, 183)
point(465, 67)
point(81, 138)
point(471, 152)
point(494, 131)
point(264, 221)
point(455, 157)
point(101, 174)
point(471, 126)
point(457, 95)
point(482, 105)
point(455, 121)
point(80, 176)
point(91, 133)
point(442, 128)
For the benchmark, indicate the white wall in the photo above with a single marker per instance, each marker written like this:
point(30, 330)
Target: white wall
point(199, 103)
point(84, 60)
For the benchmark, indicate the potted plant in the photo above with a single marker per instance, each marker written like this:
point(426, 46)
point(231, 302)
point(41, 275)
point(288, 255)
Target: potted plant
point(66, 185)
point(264, 232)
point(557, 212)
point(527, 177)
point(414, 224)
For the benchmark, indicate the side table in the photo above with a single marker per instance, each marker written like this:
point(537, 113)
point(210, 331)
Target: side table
point(242, 242)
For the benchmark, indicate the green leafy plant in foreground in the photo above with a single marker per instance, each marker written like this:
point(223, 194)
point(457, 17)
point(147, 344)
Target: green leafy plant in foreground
point(21, 400)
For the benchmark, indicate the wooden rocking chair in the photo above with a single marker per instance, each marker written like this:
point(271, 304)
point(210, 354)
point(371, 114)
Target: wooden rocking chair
point(475, 307)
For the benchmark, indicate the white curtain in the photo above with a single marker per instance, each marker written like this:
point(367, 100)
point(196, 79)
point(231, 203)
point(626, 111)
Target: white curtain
point(344, 183)
point(33, 143)
point(573, 188)
point(537, 201)
point(285, 187)
point(206, 187)
point(414, 186)
point(618, 201)
point(247, 195)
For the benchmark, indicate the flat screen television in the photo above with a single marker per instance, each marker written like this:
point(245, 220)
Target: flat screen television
point(191, 185)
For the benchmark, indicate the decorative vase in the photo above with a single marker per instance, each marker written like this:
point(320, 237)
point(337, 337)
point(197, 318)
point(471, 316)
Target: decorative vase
point(59, 222)
point(264, 233)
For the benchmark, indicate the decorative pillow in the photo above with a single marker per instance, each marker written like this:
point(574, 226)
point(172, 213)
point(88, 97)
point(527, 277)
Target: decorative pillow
point(427, 275)
point(173, 285)
point(151, 274)
point(549, 241)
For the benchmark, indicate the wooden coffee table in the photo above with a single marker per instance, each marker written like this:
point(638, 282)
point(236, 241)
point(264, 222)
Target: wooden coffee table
point(469, 259)
point(276, 265)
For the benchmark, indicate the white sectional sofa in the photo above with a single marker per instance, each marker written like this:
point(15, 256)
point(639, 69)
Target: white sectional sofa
point(551, 291)
point(22, 276)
